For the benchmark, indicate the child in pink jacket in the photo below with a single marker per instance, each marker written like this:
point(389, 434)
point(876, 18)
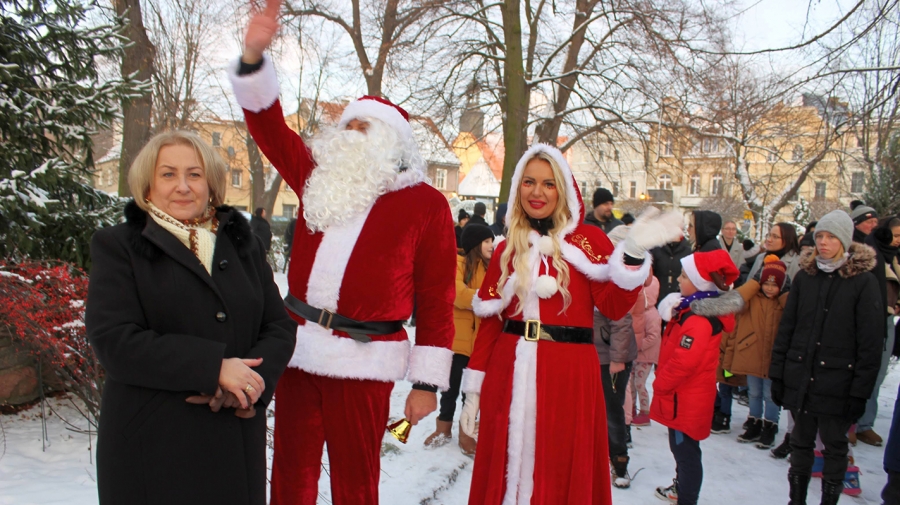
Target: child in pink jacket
point(637, 399)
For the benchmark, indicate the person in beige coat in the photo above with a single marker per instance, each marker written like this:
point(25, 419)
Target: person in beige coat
point(748, 349)
point(478, 246)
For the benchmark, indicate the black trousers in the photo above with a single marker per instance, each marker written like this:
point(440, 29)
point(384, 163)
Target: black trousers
point(448, 398)
point(833, 433)
point(890, 495)
point(614, 396)
point(688, 466)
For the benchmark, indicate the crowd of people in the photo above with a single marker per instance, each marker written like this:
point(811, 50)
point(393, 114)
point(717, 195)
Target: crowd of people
point(548, 322)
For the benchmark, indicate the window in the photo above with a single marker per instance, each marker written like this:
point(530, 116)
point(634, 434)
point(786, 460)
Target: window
point(288, 210)
point(857, 181)
point(694, 188)
point(216, 139)
point(665, 181)
point(616, 155)
point(820, 190)
point(440, 178)
point(632, 189)
point(237, 177)
point(601, 155)
point(583, 189)
point(669, 146)
point(716, 186)
point(230, 152)
point(695, 146)
point(772, 155)
point(615, 189)
point(797, 154)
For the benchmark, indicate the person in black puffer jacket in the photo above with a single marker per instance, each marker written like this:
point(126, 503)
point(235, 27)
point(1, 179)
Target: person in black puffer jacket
point(825, 376)
point(704, 230)
point(667, 265)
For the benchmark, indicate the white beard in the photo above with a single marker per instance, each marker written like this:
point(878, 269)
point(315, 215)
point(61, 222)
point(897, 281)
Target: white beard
point(353, 170)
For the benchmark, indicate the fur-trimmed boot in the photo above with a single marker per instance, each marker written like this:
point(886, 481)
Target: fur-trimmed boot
point(442, 434)
point(467, 444)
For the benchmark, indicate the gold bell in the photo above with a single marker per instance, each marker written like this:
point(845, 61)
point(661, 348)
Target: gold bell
point(400, 430)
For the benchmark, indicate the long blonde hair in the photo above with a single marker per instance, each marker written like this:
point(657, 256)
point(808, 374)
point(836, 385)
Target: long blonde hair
point(517, 246)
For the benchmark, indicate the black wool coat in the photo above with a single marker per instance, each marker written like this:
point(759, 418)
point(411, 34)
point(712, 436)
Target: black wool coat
point(667, 265)
point(826, 353)
point(161, 326)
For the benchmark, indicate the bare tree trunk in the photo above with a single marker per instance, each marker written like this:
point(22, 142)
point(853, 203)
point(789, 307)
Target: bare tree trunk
point(138, 60)
point(260, 195)
point(515, 124)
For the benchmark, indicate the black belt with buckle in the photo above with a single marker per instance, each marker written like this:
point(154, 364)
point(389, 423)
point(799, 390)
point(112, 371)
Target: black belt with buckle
point(533, 331)
point(358, 330)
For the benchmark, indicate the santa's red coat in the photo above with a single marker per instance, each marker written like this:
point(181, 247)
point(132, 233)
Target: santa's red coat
point(373, 268)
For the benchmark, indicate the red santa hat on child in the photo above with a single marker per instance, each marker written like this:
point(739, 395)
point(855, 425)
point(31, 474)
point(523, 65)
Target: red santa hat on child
point(375, 107)
point(700, 267)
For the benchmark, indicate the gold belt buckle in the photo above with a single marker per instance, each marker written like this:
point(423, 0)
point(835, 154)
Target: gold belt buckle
point(327, 324)
point(532, 330)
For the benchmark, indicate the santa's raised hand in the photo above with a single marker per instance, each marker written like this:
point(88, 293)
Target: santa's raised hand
point(260, 31)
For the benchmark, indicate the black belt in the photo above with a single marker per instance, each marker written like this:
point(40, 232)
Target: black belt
point(533, 331)
point(358, 330)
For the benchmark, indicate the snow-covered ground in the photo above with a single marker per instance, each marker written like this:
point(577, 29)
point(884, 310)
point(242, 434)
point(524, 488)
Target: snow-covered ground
point(412, 475)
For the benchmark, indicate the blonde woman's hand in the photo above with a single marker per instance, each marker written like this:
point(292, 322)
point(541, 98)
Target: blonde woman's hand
point(238, 378)
point(469, 414)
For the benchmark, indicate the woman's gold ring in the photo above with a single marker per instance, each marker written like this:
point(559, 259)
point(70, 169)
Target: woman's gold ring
point(249, 388)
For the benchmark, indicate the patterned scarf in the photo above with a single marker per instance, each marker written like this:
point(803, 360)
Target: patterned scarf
point(198, 234)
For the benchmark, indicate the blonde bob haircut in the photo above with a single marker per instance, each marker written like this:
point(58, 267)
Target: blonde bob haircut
point(143, 169)
point(517, 245)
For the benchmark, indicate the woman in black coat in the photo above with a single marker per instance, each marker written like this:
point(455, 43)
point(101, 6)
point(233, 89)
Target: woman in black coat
point(827, 352)
point(184, 315)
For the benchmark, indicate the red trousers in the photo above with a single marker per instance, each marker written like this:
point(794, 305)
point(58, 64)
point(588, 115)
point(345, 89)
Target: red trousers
point(350, 416)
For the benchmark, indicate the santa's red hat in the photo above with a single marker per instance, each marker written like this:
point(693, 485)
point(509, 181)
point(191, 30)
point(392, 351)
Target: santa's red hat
point(375, 107)
point(700, 266)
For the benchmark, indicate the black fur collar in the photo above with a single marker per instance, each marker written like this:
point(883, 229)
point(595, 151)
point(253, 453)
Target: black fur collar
point(231, 222)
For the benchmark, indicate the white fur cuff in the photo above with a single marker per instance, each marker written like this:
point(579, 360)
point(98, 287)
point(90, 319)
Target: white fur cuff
point(472, 381)
point(430, 365)
point(624, 277)
point(486, 308)
point(320, 352)
point(255, 92)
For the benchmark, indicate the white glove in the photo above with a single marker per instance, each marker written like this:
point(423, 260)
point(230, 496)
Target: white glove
point(469, 413)
point(667, 306)
point(652, 230)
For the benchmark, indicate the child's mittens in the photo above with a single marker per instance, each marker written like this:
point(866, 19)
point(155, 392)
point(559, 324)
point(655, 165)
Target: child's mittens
point(667, 306)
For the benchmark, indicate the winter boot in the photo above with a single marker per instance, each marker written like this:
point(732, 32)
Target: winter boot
point(767, 437)
point(670, 493)
point(799, 484)
point(747, 423)
point(466, 443)
point(721, 423)
point(642, 419)
point(441, 435)
point(752, 433)
point(870, 437)
point(782, 450)
point(620, 477)
point(831, 491)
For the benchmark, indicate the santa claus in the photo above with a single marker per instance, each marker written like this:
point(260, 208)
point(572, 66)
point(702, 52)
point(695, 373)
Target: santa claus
point(378, 239)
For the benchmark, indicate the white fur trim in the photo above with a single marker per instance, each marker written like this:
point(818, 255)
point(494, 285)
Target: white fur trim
point(487, 308)
point(327, 274)
point(667, 306)
point(690, 269)
point(472, 381)
point(320, 352)
point(368, 108)
point(520, 447)
point(255, 92)
point(572, 200)
point(574, 255)
point(545, 245)
point(546, 286)
point(624, 277)
point(409, 177)
point(430, 365)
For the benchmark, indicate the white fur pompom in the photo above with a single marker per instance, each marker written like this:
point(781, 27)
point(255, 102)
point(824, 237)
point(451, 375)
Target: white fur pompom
point(545, 245)
point(545, 287)
point(668, 304)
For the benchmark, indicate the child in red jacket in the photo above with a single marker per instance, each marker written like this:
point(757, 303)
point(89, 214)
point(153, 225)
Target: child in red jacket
point(685, 386)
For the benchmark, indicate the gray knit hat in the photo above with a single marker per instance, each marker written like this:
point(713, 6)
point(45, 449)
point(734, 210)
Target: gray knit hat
point(839, 224)
point(862, 213)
